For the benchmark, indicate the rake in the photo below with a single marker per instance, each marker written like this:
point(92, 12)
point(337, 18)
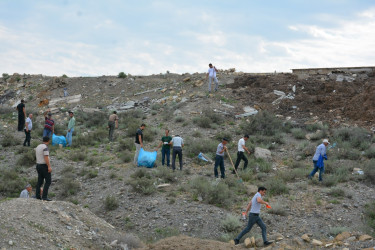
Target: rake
point(230, 158)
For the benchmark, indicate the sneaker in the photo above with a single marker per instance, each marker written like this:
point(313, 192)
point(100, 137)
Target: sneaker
point(266, 243)
point(236, 242)
point(47, 199)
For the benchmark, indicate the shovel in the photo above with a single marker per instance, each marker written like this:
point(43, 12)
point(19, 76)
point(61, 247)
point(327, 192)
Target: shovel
point(230, 158)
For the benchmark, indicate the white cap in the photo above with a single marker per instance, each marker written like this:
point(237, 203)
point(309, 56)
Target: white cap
point(326, 141)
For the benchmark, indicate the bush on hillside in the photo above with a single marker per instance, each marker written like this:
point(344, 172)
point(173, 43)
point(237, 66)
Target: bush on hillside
point(263, 123)
point(122, 75)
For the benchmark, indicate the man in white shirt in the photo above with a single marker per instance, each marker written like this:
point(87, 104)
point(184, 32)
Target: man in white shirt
point(211, 75)
point(44, 169)
point(254, 217)
point(27, 129)
point(178, 144)
point(26, 192)
point(241, 153)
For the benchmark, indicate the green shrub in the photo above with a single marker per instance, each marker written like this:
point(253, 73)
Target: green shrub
point(263, 123)
point(69, 185)
point(370, 214)
point(92, 174)
point(247, 175)
point(9, 140)
point(294, 174)
point(93, 161)
point(156, 106)
point(67, 170)
point(370, 153)
point(121, 75)
point(194, 146)
point(149, 134)
point(224, 134)
point(202, 121)
point(196, 134)
point(166, 175)
point(369, 171)
point(277, 209)
point(179, 119)
point(334, 231)
point(142, 182)
point(355, 136)
point(111, 203)
point(330, 180)
point(337, 192)
point(212, 193)
point(298, 133)
point(27, 158)
point(78, 155)
point(213, 116)
point(11, 184)
point(126, 157)
point(263, 165)
point(276, 186)
point(165, 232)
point(231, 223)
point(92, 120)
point(125, 145)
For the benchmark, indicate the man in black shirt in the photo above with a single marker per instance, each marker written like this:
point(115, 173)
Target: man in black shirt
point(21, 115)
point(138, 142)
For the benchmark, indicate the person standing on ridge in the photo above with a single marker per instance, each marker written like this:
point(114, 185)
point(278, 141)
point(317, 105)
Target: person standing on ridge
point(166, 148)
point(44, 169)
point(28, 128)
point(178, 144)
point(241, 153)
point(211, 75)
point(21, 115)
point(49, 124)
point(138, 142)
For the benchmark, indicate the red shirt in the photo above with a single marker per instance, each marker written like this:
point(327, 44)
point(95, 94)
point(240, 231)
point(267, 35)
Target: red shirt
point(48, 124)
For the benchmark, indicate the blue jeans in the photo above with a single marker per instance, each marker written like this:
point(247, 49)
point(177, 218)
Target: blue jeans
point(69, 136)
point(215, 81)
point(47, 132)
point(316, 168)
point(165, 152)
point(176, 151)
point(219, 161)
point(254, 218)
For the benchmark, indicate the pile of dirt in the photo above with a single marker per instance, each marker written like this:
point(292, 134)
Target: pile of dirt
point(324, 97)
point(33, 224)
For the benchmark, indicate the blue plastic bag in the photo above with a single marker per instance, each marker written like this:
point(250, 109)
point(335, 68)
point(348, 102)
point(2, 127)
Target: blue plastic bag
point(58, 139)
point(146, 159)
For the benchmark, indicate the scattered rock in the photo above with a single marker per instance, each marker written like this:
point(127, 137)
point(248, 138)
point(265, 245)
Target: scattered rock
point(306, 238)
point(317, 242)
point(365, 237)
point(262, 153)
point(342, 236)
point(186, 79)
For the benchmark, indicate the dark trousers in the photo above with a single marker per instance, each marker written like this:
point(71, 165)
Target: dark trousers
point(21, 121)
point(241, 156)
point(219, 161)
point(28, 138)
point(254, 218)
point(111, 126)
point(176, 151)
point(165, 152)
point(43, 174)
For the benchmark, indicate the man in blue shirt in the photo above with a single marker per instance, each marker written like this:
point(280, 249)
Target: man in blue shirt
point(318, 161)
point(255, 205)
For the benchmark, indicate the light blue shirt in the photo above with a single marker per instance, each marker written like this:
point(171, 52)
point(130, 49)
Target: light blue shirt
point(24, 194)
point(29, 123)
point(177, 141)
point(220, 148)
point(320, 150)
point(255, 205)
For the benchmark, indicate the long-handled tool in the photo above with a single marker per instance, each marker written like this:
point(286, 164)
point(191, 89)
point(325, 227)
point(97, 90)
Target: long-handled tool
point(230, 158)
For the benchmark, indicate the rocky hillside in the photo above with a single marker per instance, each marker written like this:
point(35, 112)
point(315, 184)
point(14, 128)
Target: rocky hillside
point(102, 201)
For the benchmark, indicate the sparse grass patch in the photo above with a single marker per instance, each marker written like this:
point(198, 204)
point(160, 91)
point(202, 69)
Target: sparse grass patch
point(78, 155)
point(126, 144)
point(196, 134)
point(370, 214)
point(27, 158)
point(338, 230)
point(179, 119)
point(194, 146)
point(337, 192)
point(202, 122)
point(298, 133)
point(92, 174)
point(355, 136)
point(166, 175)
point(111, 203)
point(11, 184)
point(9, 140)
point(231, 223)
point(276, 186)
point(369, 171)
point(69, 185)
point(149, 134)
point(224, 134)
point(93, 161)
point(142, 182)
point(370, 153)
point(277, 209)
point(263, 123)
point(165, 232)
point(294, 174)
point(126, 157)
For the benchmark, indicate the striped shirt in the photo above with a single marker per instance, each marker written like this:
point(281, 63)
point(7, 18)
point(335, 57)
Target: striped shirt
point(48, 124)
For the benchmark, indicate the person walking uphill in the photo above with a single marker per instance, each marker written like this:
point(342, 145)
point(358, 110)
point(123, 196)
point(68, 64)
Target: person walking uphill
point(318, 160)
point(166, 148)
point(112, 124)
point(43, 167)
point(71, 124)
point(49, 124)
point(219, 158)
point(21, 115)
point(178, 144)
point(28, 128)
point(138, 142)
point(241, 153)
point(211, 75)
point(254, 207)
